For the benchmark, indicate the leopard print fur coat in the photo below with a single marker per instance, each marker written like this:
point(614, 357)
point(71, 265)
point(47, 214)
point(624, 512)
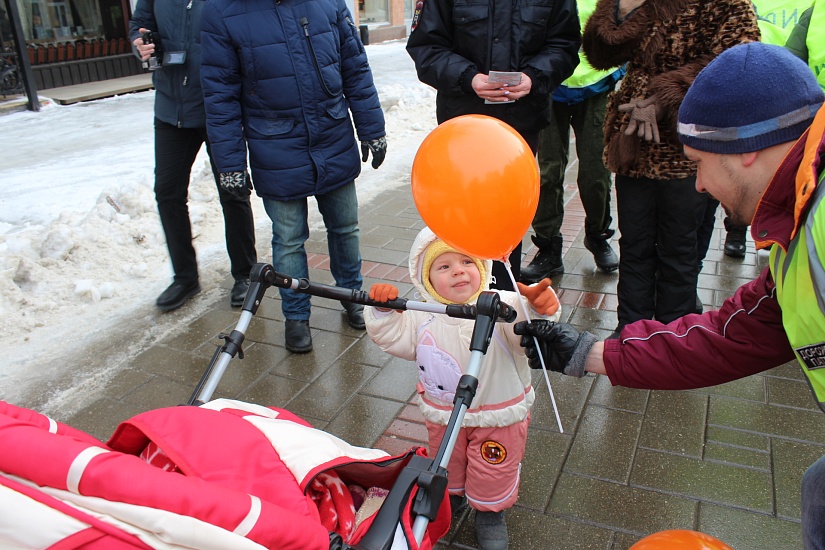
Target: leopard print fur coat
point(665, 44)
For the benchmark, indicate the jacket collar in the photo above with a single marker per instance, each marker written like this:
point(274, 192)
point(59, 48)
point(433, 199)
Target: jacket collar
point(782, 207)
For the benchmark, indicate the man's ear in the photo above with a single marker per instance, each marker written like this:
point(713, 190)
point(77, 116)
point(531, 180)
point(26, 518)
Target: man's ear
point(748, 159)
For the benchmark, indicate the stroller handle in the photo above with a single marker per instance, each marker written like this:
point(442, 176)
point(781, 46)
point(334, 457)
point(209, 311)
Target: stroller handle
point(266, 275)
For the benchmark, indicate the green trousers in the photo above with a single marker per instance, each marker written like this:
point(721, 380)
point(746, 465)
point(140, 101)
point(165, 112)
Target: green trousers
point(594, 179)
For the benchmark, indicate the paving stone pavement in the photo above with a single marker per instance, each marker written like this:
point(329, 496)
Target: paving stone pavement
point(725, 460)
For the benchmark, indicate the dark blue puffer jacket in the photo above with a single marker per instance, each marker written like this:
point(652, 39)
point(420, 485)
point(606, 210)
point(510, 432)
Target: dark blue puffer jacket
point(178, 94)
point(281, 77)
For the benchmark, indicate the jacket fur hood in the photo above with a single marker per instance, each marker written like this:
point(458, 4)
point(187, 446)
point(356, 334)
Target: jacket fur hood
point(424, 238)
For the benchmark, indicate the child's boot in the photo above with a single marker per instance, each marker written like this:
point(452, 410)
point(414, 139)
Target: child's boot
point(491, 531)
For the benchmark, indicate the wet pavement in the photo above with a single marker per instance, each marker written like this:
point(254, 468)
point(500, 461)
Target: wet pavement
point(726, 460)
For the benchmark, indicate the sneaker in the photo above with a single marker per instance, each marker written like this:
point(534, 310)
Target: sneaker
point(176, 295)
point(603, 254)
point(491, 531)
point(735, 246)
point(297, 336)
point(547, 261)
point(355, 315)
point(238, 294)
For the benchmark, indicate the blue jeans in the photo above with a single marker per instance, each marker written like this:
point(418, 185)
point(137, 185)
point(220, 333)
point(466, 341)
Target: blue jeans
point(339, 208)
point(813, 506)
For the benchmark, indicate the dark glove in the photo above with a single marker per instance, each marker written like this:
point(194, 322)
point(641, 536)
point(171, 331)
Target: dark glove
point(644, 115)
point(237, 184)
point(378, 148)
point(563, 347)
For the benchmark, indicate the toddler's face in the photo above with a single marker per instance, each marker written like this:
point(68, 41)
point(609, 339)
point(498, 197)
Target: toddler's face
point(455, 276)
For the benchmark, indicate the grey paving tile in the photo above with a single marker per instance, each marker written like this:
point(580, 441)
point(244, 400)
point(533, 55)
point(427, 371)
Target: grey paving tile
point(325, 395)
point(728, 454)
point(790, 460)
point(791, 393)
point(617, 397)
point(529, 529)
point(738, 438)
point(571, 397)
point(350, 424)
point(752, 388)
point(611, 436)
point(273, 391)
point(396, 380)
point(739, 529)
point(783, 422)
point(202, 329)
point(160, 392)
point(183, 367)
point(709, 481)
point(675, 422)
point(616, 506)
point(541, 467)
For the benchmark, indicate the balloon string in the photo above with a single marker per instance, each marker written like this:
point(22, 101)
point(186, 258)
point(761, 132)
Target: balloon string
point(526, 312)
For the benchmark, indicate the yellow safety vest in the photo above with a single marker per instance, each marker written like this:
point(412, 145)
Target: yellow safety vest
point(584, 74)
point(800, 285)
point(777, 18)
point(815, 41)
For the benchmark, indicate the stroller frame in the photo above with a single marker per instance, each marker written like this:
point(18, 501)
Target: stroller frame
point(429, 475)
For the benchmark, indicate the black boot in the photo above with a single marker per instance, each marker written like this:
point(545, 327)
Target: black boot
point(176, 295)
point(238, 294)
point(547, 262)
point(735, 240)
point(297, 336)
point(603, 254)
point(355, 315)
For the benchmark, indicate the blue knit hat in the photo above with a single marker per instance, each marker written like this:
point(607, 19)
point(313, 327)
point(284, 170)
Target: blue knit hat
point(752, 96)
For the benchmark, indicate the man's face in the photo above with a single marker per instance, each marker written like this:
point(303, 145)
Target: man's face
point(723, 177)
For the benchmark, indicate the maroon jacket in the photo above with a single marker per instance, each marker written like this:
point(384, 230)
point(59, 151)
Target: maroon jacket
point(744, 337)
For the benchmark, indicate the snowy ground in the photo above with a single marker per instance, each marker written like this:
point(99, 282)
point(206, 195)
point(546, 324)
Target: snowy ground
point(81, 248)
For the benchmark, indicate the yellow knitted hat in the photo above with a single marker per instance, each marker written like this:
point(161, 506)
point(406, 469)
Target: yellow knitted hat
point(433, 251)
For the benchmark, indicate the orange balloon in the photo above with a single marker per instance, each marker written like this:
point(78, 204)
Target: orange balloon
point(680, 539)
point(475, 183)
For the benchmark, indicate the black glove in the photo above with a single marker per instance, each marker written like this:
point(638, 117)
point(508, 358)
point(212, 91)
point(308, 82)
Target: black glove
point(238, 184)
point(378, 148)
point(563, 347)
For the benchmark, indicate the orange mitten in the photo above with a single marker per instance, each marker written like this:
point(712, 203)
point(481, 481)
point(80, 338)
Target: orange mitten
point(383, 292)
point(541, 296)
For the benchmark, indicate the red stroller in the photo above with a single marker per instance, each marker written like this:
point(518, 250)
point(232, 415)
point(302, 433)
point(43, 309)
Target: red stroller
point(228, 474)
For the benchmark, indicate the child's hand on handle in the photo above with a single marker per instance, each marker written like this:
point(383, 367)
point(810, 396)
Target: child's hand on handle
point(541, 296)
point(383, 292)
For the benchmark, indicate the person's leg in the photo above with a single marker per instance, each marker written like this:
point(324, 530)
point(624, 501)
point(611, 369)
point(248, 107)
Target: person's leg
point(501, 277)
point(813, 506)
point(636, 206)
point(239, 226)
point(289, 233)
point(175, 152)
point(493, 477)
point(594, 180)
point(679, 206)
point(339, 208)
point(553, 150)
point(704, 233)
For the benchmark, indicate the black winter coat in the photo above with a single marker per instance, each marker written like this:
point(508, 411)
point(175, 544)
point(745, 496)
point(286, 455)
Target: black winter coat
point(453, 40)
point(178, 93)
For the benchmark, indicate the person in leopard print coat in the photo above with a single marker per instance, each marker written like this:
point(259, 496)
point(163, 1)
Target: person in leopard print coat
point(664, 44)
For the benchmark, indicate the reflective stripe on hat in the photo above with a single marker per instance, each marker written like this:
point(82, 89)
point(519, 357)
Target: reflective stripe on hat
point(734, 133)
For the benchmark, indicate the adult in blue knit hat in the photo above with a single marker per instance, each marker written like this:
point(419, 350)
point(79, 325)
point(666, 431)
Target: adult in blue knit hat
point(752, 122)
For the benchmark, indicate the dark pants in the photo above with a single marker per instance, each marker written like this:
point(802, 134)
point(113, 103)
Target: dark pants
point(175, 152)
point(594, 181)
point(658, 220)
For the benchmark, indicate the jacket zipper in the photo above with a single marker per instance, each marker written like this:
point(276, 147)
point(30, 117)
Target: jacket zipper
point(305, 24)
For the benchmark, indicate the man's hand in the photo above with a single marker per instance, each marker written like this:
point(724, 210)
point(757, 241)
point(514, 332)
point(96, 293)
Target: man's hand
point(378, 148)
point(563, 347)
point(541, 296)
point(144, 50)
point(237, 184)
point(644, 115)
point(383, 292)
